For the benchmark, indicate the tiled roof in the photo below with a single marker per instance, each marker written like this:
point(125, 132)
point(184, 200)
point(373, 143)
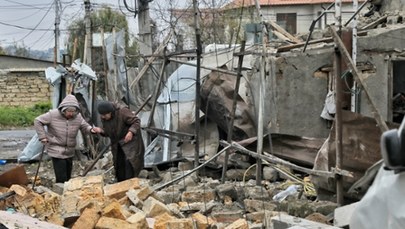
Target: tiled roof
point(284, 2)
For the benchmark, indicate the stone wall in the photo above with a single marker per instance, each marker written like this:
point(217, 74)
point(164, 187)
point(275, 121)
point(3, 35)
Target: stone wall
point(23, 88)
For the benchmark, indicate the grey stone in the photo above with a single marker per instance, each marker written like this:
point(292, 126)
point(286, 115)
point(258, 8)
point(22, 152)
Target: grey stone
point(257, 193)
point(169, 197)
point(258, 205)
point(343, 215)
point(270, 174)
point(227, 190)
point(286, 221)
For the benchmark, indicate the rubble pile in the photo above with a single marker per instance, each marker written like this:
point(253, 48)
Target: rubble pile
point(193, 202)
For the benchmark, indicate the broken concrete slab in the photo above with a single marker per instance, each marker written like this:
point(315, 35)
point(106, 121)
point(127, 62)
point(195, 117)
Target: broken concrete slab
point(283, 221)
point(343, 215)
point(18, 220)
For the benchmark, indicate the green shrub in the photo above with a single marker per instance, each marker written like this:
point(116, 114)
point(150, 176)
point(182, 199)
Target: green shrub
point(21, 116)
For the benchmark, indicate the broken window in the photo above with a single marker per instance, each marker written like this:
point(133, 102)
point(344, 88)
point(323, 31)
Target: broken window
point(288, 21)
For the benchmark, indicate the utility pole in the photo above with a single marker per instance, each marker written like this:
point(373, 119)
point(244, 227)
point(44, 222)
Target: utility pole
point(57, 33)
point(355, 106)
point(87, 21)
point(262, 95)
point(197, 85)
point(339, 98)
point(145, 31)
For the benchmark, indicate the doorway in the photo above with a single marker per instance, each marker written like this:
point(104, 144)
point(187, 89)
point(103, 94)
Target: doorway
point(398, 90)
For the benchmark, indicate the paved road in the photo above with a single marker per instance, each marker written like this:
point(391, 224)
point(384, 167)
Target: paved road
point(13, 142)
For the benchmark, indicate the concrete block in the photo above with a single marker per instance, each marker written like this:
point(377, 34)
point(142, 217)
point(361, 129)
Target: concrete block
point(260, 216)
point(132, 195)
point(169, 197)
point(186, 223)
point(73, 184)
point(286, 221)
point(227, 190)
point(160, 221)
point(343, 215)
point(88, 219)
point(227, 216)
point(238, 224)
point(153, 207)
point(111, 223)
point(202, 221)
point(145, 192)
point(114, 210)
point(118, 190)
point(198, 196)
point(138, 220)
point(19, 190)
point(258, 205)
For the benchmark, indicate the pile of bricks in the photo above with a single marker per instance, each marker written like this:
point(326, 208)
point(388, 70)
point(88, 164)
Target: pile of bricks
point(87, 203)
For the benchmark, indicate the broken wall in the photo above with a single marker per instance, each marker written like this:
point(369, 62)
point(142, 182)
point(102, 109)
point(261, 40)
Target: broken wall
point(391, 5)
point(379, 48)
point(294, 97)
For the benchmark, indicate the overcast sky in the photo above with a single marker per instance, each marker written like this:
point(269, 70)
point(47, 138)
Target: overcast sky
point(31, 23)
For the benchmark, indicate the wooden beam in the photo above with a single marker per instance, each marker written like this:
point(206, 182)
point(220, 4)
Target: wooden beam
point(151, 60)
point(375, 23)
point(359, 79)
point(284, 32)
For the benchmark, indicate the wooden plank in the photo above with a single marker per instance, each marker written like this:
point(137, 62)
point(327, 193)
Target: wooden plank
point(375, 23)
point(284, 32)
point(292, 46)
point(359, 79)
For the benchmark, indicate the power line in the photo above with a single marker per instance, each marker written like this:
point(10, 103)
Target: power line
point(37, 23)
point(29, 6)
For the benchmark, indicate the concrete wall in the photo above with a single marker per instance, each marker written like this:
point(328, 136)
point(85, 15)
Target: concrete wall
point(294, 97)
point(23, 88)
point(391, 5)
point(379, 48)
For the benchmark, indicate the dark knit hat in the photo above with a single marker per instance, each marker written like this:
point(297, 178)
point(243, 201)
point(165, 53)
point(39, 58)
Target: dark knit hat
point(105, 107)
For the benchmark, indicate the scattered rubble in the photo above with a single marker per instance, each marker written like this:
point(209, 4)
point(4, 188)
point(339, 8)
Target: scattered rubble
point(96, 201)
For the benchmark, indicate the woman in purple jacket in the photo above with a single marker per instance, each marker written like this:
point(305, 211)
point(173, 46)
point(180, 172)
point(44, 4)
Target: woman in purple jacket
point(59, 136)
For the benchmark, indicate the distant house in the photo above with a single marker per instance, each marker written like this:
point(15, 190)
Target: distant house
point(296, 16)
point(22, 81)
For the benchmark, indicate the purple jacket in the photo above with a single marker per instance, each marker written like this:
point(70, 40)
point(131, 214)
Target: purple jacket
point(61, 132)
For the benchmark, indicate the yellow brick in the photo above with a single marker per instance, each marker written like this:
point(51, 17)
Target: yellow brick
point(88, 219)
point(118, 190)
point(111, 223)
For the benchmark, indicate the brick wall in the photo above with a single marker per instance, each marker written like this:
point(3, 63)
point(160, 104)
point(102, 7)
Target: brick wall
point(24, 88)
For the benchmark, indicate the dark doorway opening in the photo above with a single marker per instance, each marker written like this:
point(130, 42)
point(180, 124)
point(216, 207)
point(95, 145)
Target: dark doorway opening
point(398, 91)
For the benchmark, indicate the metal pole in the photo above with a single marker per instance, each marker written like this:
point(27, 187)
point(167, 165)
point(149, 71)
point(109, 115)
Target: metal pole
point(355, 106)
point(235, 96)
point(262, 93)
point(338, 115)
point(87, 21)
point(57, 32)
point(197, 84)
